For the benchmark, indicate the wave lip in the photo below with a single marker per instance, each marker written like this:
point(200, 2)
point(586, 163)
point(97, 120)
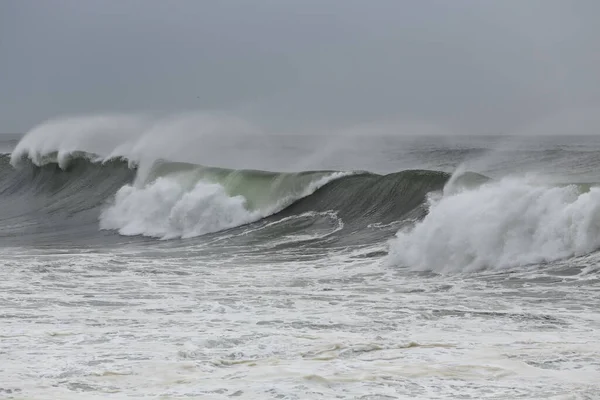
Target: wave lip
point(509, 223)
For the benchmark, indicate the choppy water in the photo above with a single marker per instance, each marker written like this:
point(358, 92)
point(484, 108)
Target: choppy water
point(405, 282)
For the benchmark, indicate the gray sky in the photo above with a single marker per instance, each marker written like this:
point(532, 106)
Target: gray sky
point(468, 66)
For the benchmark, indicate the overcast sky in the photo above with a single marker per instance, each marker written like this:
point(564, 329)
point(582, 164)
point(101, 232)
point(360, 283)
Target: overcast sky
point(468, 66)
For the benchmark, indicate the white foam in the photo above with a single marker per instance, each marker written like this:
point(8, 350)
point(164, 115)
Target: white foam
point(165, 209)
point(509, 223)
point(170, 207)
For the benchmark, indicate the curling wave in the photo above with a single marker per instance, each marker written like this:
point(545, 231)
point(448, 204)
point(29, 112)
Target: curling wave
point(181, 200)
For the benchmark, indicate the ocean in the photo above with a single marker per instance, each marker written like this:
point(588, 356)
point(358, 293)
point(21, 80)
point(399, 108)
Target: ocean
point(167, 263)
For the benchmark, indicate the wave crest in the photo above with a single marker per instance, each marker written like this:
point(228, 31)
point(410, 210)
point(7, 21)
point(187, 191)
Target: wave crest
point(137, 138)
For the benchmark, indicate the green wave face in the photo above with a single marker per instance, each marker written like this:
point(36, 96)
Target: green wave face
point(261, 189)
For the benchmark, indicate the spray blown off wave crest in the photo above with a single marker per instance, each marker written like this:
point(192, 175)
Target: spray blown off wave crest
point(508, 223)
point(137, 138)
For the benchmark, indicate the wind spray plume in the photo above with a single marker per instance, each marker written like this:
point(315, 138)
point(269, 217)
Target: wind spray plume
point(192, 137)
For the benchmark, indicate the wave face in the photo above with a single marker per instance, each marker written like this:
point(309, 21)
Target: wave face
point(501, 224)
point(172, 200)
point(366, 198)
point(45, 201)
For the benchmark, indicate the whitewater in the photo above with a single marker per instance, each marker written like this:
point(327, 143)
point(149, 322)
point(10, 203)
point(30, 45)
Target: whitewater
point(196, 256)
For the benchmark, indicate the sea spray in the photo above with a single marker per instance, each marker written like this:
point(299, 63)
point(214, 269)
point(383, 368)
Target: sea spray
point(164, 209)
point(138, 138)
point(508, 223)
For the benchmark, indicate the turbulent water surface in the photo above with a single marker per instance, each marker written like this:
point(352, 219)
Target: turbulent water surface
point(298, 267)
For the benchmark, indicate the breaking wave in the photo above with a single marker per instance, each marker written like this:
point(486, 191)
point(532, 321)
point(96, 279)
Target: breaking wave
point(187, 200)
point(501, 224)
point(449, 223)
point(64, 178)
point(168, 200)
point(181, 200)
